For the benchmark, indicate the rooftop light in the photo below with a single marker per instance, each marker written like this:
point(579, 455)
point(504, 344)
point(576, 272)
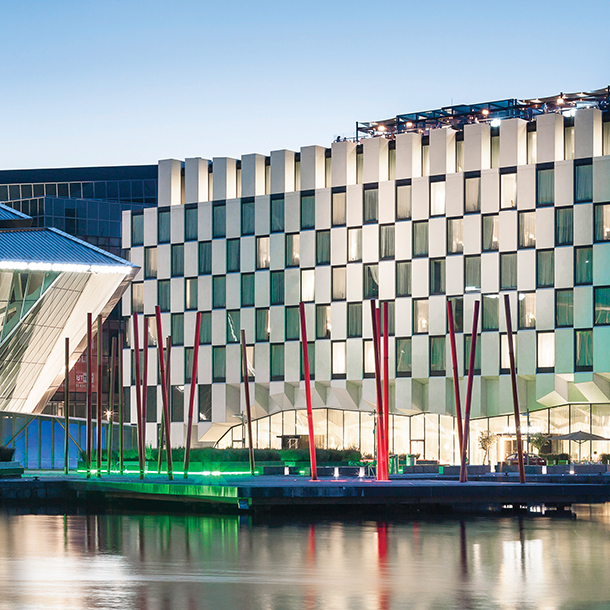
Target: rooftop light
point(485, 111)
point(559, 100)
point(496, 123)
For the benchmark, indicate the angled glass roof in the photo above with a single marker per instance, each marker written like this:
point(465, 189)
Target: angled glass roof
point(7, 213)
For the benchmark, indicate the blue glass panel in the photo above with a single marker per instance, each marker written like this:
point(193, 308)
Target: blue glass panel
point(20, 440)
point(58, 441)
point(32, 461)
point(46, 444)
point(7, 429)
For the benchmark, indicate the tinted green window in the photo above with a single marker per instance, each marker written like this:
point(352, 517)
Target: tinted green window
point(233, 254)
point(163, 227)
point(137, 230)
point(490, 312)
point(163, 294)
point(277, 288)
point(545, 187)
point(219, 220)
point(308, 211)
point(583, 183)
point(205, 326)
point(292, 324)
point(219, 363)
point(233, 326)
point(437, 355)
point(247, 218)
point(323, 247)
point(354, 319)
point(403, 357)
point(177, 260)
point(191, 224)
point(370, 211)
point(545, 268)
point(564, 307)
point(219, 291)
point(277, 215)
point(276, 354)
point(371, 281)
point(403, 279)
point(583, 350)
point(247, 290)
point(420, 238)
point(177, 329)
point(205, 257)
point(583, 265)
point(602, 305)
point(564, 226)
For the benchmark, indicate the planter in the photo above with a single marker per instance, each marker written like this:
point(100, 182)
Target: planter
point(10, 470)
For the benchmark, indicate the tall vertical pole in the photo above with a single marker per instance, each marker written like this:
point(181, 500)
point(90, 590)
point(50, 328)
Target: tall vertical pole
point(111, 403)
point(66, 406)
point(100, 413)
point(89, 395)
point(473, 351)
point(379, 416)
point(244, 359)
point(144, 385)
point(120, 406)
point(513, 378)
point(312, 445)
point(384, 433)
point(136, 340)
point(456, 379)
point(386, 384)
point(189, 429)
point(164, 392)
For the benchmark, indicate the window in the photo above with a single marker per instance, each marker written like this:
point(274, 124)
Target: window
point(277, 214)
point(323, 247)
point(308, 211)
point(177, 329)
point(403, 357)
point(262, 325)
point(323, 322)
point(177, 403)
point(262, 253)
point(293, 241)
point(420, 238)
point(339, 283)
point(532, 148)
point(527, 229)
point(437, 276)
point(205, 328)
point(219, 220)
point(504, 352)
point(190, 293)
point(545, 268)
point(490, 312)
point(602, 222)
point(508, 271)
point(338, 209)
point(339, 364)
point(205, 402)
point(311, 360)
point(219, 291)
point(308, 285)
point(564, 307)
point(277, 288)
point(437, 356)
point(205, 257)
point(150, 263)
point(508, 191)
point(491, 226)
point(391, 319)
point(292, 324)
point(564, 226)
point(247, 289)
point(583, 350)
point(276, 356)
point(403, 278)
point(163, 295)
point(455, 235)
point(370, 212)
point(152, 331)
point(219, 363)
point(583, 182)
point(369, 358)
point(386, 241)
point(437, 198)
point(233, 255)
point(472, 273)
point(191, 224)
point(583, 265)
point(371, 281)
point(527, 310)
point(568, 142)
point(163, 227)
point(602, 306)
point(137, 297)
point(545, 187)
point(137, 230)
point(477, 355)
point(354, 319)
point(403, 201)
point(247, 217)
point(457, 305)
point(420, 316)
point(177, 260)
point(472, 194)
point(354, 245)
point(233, 326)
point(546, 352)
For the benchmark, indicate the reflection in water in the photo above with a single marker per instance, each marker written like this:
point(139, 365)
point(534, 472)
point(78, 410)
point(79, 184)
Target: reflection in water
point(194, 562)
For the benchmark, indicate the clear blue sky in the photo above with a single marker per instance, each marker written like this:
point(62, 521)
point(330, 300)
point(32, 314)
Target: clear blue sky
point(104, 82)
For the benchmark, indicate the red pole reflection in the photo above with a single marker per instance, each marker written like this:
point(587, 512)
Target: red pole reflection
point(382, 555)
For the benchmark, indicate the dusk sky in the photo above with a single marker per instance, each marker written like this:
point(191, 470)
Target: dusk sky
point(133, 81)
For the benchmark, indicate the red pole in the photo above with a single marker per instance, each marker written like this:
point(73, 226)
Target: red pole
point(144, 385)
point(456, 379)
point(247, 393)
point(312, 445)
point(513, 378)
point(89, 395)
point(100, 414)
point(136, 340)
point(187, 452)
point(386, 385)
point(380, 435)
point(384, 434)
point(120, 406)
point(164, 393)
point(473, 351)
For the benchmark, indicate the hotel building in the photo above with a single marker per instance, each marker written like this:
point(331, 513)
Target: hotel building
point(464, 203)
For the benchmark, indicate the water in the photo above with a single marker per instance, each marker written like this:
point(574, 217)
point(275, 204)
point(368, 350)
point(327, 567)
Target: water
point(191, 562)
